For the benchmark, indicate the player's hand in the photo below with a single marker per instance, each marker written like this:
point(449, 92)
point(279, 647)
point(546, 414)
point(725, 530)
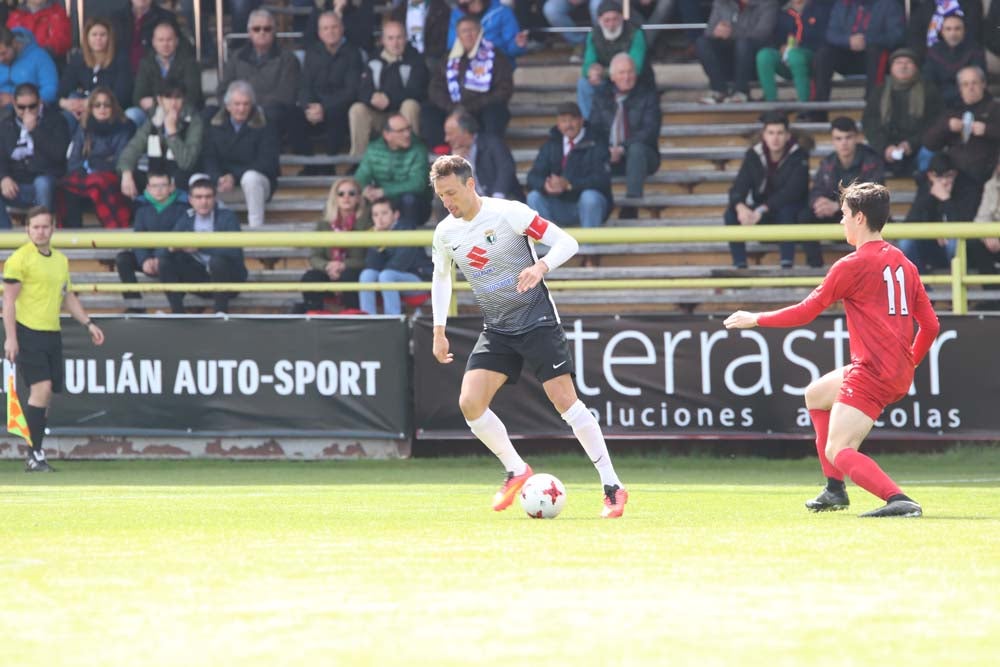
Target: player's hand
point(96, 335)
point(531, 276)
point(10, 349)
point(741, 319)
point(440, 349)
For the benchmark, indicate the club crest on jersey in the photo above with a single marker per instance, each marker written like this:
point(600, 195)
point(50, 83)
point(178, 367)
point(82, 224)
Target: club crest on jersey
point(477, 258)
point(491, 236)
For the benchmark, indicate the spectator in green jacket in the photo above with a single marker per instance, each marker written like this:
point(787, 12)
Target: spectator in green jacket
point(611, 35)
point(395, 166)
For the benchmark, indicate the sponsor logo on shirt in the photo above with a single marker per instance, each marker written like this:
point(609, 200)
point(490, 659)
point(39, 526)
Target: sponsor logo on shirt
point(477, 258)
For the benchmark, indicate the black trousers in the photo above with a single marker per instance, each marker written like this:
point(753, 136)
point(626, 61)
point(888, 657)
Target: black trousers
point(183, 267)
point(331, 137)
point(314, 300)
point(830, 59)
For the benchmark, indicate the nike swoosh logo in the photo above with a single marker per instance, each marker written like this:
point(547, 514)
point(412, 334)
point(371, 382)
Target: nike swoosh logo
point(559, 364)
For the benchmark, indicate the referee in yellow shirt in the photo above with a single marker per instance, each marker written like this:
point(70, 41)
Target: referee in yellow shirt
point(36, 283)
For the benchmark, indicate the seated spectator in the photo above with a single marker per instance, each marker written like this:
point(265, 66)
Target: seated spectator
point(23, 61)
point(330, 82)
point(610, 36)
point(499, 26)
point(357, 17)
point(735, 32)
point(661, 11)
point(984, 254)
point(170, 140)
point(134, 29)
point(32, 153)
point(241, 148)
point(426, 24)
point(859, 35)
point(91, 172)
point(395, 81)
point(476, 77)
point(898, 112)
point(391, 265)
point(772, 186)
point(948, 55)
point(934, 202)
point(96, 63)
point(48, 22)
point(239, 14)
point(570, 180)
point(558, 13)
point(799, 32)
point(970, 134)
point(157, 210)
point(492, 162)
point(203, 265)
point(629, 116)
point(927, 19)
point(272, 72)
point(345, 211)
point(851, 161)
point(165, 62)
point(395, 166)
point(991, 29)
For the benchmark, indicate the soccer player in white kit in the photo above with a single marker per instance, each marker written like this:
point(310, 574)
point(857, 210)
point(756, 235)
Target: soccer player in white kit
point(489, 240)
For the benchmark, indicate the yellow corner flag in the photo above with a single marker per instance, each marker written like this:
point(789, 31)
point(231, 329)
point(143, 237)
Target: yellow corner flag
point(16, 422)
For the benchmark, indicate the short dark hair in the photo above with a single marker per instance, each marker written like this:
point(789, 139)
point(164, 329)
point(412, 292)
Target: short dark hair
point(941, 163)
point(468, 18)
point(569, 109)
point(465, 120)
point(201, 184)
point(158, 170)
point(36, 211)
point(447, 165)
point(872, 199)
point(843, 124)
point(774, 117)
point(170, 87)
point(26, 88)
point(386, 200)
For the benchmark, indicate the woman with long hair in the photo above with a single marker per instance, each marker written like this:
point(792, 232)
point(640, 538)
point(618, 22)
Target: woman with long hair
point(345, 211)
point(93, 153)
point(96, 63)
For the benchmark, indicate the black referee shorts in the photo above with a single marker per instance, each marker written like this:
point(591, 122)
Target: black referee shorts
point(544, 349)
point(40, 356)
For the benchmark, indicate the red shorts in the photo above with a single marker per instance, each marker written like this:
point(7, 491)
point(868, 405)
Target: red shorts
point(865, 391)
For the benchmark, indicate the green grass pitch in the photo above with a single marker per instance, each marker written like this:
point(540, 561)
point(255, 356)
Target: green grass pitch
point(716, 562)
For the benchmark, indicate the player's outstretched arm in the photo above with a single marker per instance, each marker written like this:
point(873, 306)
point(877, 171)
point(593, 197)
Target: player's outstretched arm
point(741, 319)
point(440, 303)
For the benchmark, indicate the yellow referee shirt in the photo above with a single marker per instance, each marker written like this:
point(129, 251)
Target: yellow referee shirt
point(44, 282)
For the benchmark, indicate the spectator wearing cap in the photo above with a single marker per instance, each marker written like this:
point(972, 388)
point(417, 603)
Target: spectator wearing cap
point(949, 54)
point(935, 201)
point(858, 36)
point(851, 161)
point(923, 29)
point(627, 114)
point(570, 180)
point(772, 186)
point(798, 33)
point(610, 36)
point(492, 162)
point(898, 112)
point(735, 32)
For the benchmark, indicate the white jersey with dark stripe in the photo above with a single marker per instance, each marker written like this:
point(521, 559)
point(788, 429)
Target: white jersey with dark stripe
point(491, 250)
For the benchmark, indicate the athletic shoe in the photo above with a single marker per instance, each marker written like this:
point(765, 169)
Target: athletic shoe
point(615, 498)
point(511, 487)
point(829, 501)
point(31, 464)
point(900, 508)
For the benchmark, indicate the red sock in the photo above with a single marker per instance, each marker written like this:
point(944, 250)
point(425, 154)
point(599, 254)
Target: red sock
point(864, 472)
point(821, 422)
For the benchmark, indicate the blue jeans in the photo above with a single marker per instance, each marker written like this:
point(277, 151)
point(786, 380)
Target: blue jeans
point(585, 96)
point(391, 304)
point(37, 193)
point(590, 211)
point(136, 115)
point(927, 254)
point(557, 13)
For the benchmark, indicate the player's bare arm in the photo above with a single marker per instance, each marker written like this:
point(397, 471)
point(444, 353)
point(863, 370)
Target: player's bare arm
point(742, 319)
point(75, 309)
point(10, 291)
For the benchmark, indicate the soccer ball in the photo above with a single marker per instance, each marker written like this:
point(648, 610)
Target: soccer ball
point(543, 496)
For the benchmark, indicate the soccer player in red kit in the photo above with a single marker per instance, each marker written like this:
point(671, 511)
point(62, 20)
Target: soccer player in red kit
point(883, 298)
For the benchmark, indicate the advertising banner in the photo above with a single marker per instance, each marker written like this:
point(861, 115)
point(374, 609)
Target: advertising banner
point(688, 377)
point(345, 377)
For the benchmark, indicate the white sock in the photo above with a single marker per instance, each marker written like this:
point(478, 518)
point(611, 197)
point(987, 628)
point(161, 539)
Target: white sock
point(588, 432)
point(493, 434)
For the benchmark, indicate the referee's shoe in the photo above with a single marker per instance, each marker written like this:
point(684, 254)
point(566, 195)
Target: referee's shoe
point(35, 464)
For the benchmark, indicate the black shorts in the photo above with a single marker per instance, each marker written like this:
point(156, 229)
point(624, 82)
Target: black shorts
point(544, 349)
point(40, 356)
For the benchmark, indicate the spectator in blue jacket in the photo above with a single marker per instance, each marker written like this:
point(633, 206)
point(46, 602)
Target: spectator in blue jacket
point(500, 26)
point(23, 61)
point(391, 265)
point(859, 37)
point(800, 31)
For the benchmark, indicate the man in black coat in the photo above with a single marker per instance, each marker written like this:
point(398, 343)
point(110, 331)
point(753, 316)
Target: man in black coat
point(492, 162)
point(33, 143)
point(394, 81)
point(772, 186)
point(134, 24)
point(570, 180)
point(241, 148)
point(629, 116)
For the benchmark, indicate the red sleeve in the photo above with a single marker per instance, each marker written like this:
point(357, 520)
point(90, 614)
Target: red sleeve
point(804, 312)
point(928, 324)
point(536, 229)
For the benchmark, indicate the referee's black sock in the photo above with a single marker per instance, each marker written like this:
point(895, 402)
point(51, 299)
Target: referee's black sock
point(35, 417)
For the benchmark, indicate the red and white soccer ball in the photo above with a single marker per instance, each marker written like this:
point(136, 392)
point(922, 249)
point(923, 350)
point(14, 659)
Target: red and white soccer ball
point(543, 496)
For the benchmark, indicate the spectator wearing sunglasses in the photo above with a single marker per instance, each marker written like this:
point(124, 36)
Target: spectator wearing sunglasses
point(97, 62)
point(33, 143)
